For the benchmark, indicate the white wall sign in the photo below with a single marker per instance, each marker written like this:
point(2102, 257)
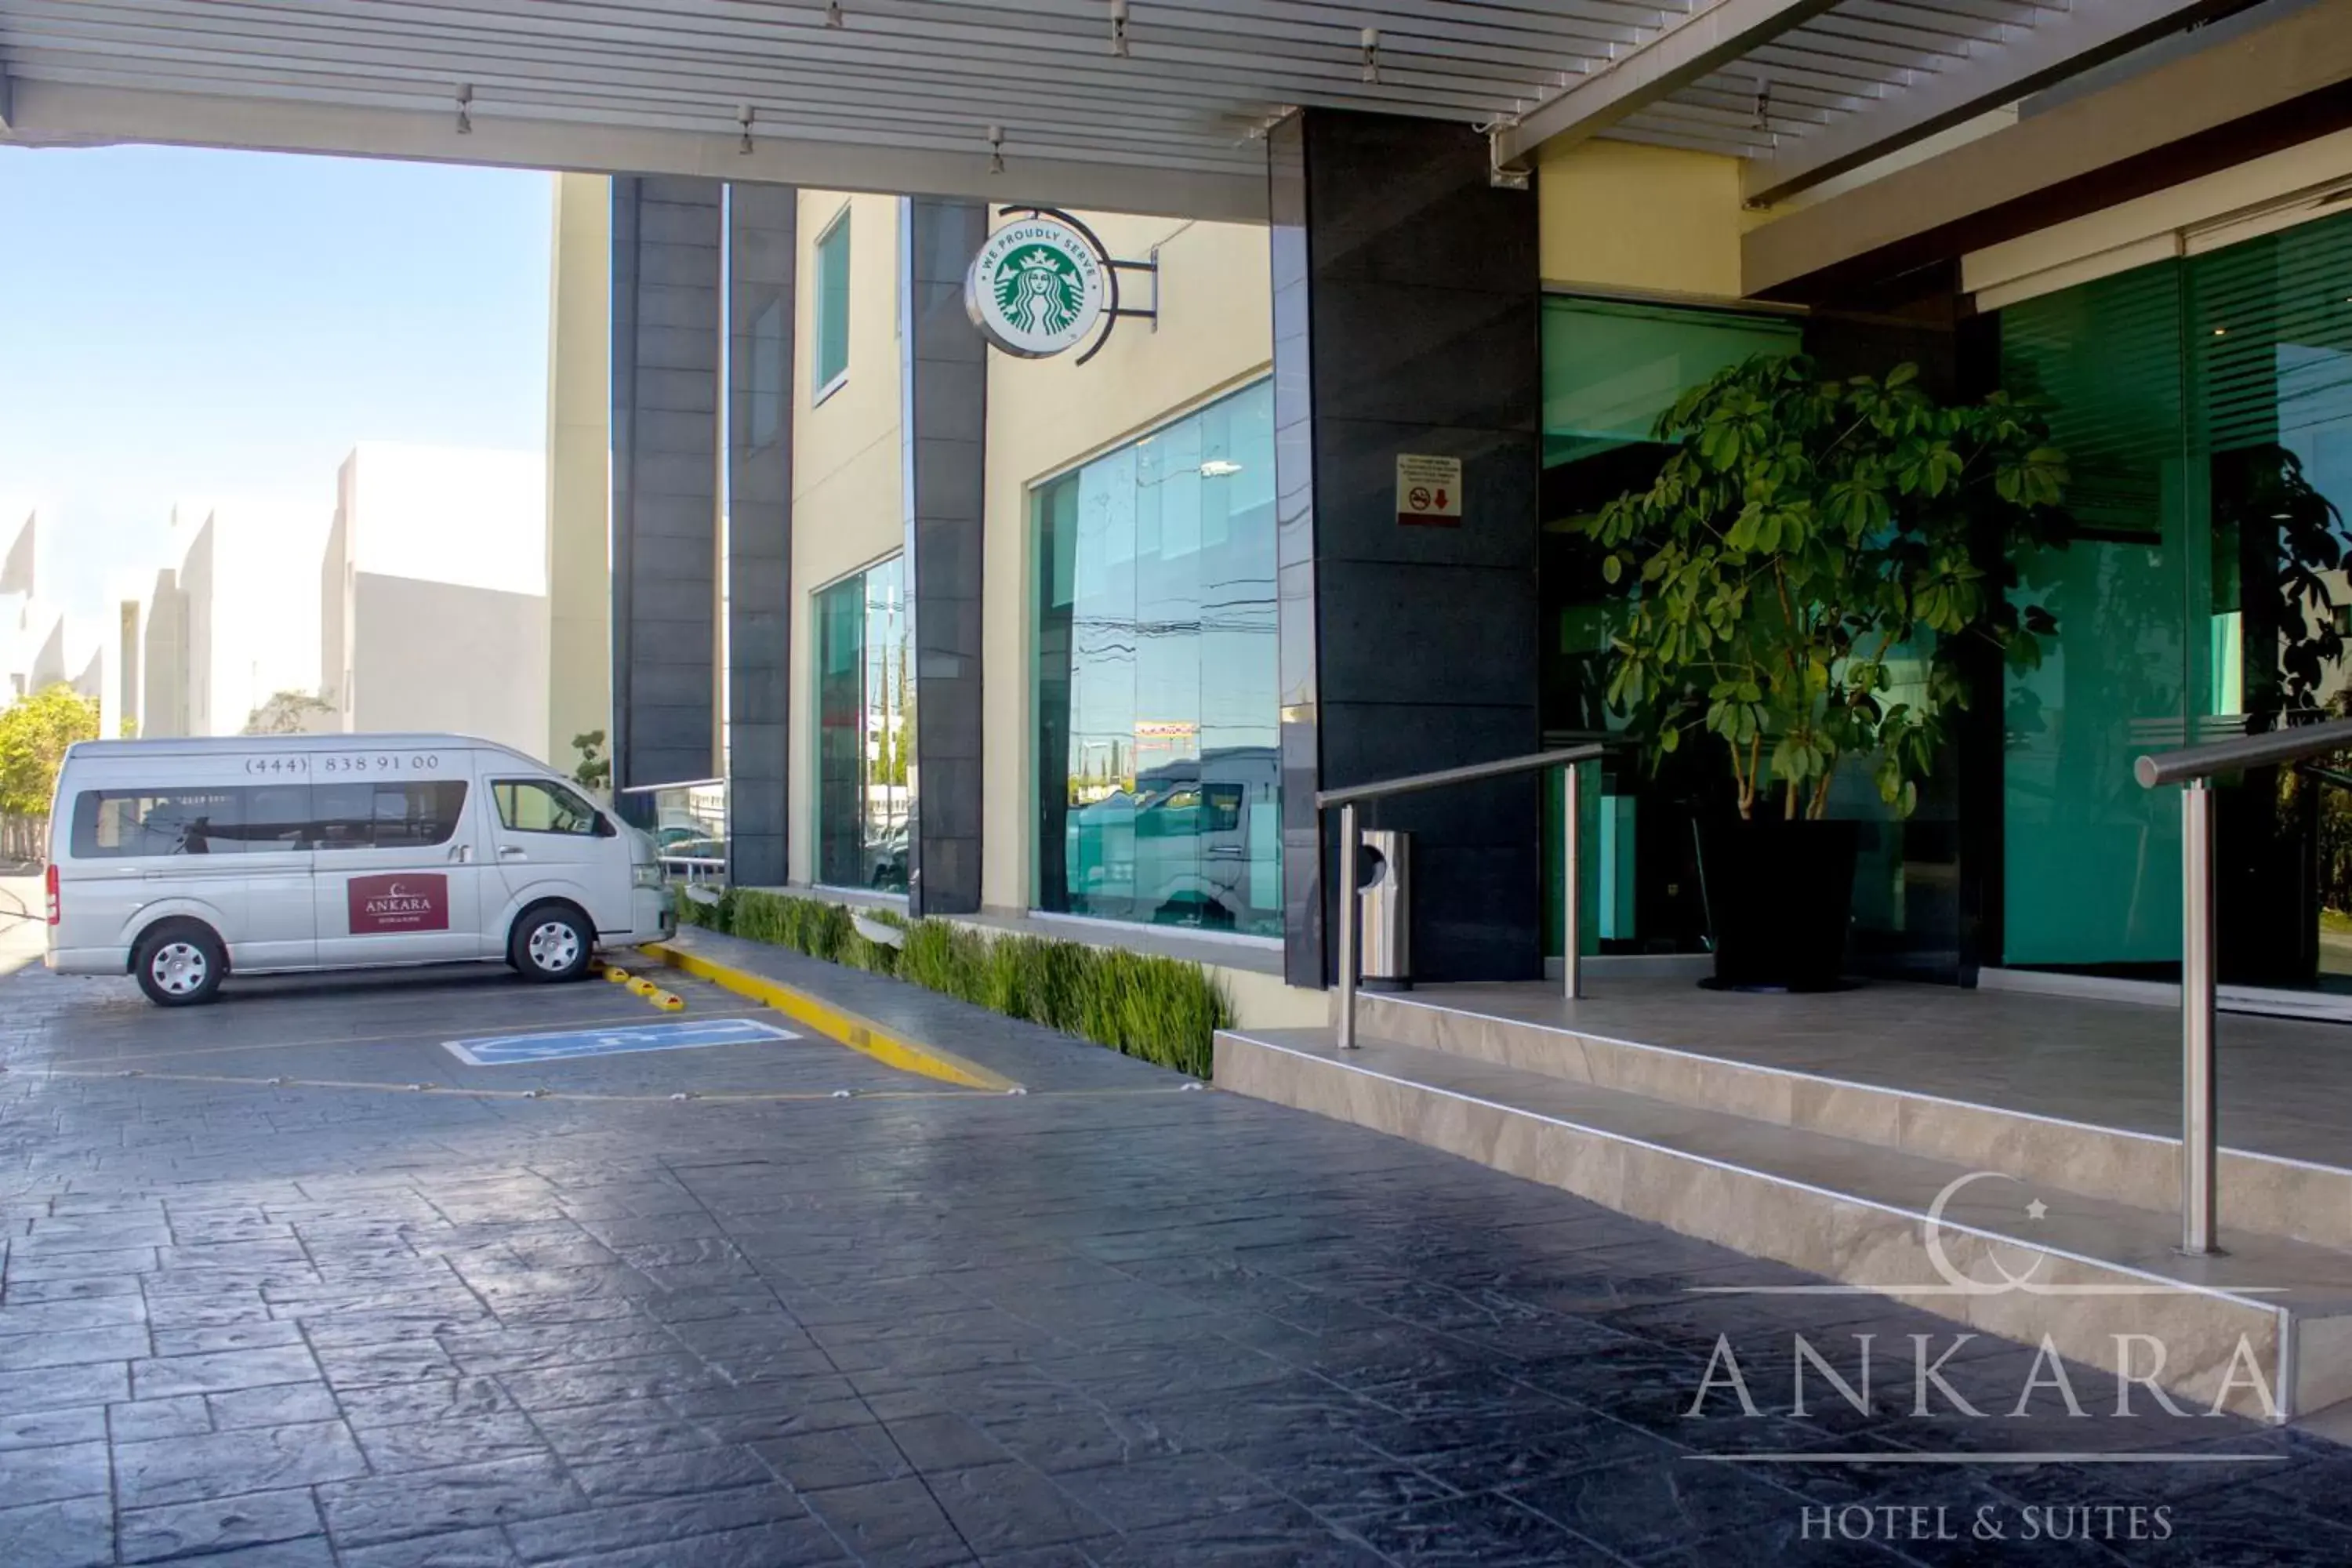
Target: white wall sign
point(1035, 289)
point(1429, 491)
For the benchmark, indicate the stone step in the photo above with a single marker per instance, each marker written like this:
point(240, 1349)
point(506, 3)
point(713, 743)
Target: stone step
point(2295, 1199)
point(1993, 1248)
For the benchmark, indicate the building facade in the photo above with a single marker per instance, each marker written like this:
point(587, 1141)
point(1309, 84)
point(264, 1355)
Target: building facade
point(225, 627)
point(1080, 636)
point(433, 607)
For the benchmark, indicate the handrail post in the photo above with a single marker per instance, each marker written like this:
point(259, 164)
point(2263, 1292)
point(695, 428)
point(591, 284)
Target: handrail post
point(1348, 926)
point(2198, 1139)
point(1571, 933)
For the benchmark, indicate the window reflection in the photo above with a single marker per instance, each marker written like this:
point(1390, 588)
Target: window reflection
point(865, 729)
point(1158, 778)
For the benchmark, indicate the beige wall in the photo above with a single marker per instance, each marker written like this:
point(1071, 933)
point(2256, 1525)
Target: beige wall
point(2295, 186)
point(846, 508)
point(1622, 216)
point(1215, 333)
point(578, 425)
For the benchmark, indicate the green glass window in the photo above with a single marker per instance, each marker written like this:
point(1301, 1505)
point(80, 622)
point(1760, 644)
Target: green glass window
point(1158, 779)
point(865, 729)
point(830, 332)
point(2206, 407)
point(1610, 370)
point(2090, 859)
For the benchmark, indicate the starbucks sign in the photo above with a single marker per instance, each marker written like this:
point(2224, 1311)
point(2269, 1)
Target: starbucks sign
point(1035, 287)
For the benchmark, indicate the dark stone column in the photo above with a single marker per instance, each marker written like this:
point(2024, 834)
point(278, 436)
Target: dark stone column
point(665, 477)
point(762, 239)
point(944, 388)
point(1407, 318)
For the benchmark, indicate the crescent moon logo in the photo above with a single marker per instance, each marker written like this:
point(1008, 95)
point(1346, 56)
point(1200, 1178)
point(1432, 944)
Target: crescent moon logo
point(1932, 1235)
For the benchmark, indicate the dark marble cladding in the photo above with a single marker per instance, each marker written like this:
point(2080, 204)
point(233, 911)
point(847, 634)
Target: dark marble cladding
point(1407, 318)
point(665, 326)
point(944, 391)
point(762, 251)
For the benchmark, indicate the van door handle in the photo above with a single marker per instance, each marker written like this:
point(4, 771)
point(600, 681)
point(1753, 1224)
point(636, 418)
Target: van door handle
point(511, 852)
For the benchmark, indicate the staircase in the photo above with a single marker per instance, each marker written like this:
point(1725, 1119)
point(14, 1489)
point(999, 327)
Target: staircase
point(2011, 1224)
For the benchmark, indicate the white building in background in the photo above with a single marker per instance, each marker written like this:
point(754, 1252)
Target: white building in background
point(44, 645)
point(229, 624)
point(433, 594)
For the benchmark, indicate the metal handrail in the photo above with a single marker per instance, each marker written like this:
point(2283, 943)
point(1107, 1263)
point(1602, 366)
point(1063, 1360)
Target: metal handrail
point(2296, 743)
point(1348, 798)
point(2195, 767)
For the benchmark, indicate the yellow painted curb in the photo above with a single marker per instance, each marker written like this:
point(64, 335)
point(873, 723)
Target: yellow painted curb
point(668, 1001)
point(859, 1034)
point(616, 974)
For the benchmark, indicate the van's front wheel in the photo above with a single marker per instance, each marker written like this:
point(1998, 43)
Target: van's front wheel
point(180, 964)
point(552, 943)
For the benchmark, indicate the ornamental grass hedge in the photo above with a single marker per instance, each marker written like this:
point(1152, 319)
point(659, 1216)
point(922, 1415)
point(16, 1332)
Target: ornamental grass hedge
point(1163, 1010)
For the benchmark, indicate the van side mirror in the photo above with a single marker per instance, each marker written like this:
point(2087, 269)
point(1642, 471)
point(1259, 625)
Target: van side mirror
point(604, 828)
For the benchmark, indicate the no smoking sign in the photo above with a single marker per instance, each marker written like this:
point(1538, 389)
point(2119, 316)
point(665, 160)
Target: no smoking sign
point(1429, 491)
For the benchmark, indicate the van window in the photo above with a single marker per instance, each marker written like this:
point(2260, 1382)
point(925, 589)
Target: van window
point(354, 813)
point(111, 824)
point(542, 806)
point(258, 819)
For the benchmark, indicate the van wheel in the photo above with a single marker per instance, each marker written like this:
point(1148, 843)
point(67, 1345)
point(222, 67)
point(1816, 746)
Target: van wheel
point(551, 941)
point(180, 964)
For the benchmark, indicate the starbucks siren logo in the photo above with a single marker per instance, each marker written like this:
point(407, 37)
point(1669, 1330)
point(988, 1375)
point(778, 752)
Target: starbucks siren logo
point(1035, 287)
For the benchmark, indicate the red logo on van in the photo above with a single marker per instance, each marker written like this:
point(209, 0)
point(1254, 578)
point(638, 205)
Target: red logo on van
point(412, 900)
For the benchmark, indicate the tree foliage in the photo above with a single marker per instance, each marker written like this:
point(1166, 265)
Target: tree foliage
point(595, 769)
point(287, 712)
point(1802, 534)
point(35, 731)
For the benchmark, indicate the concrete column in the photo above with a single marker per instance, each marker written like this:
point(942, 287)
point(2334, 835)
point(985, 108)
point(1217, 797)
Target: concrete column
point(1407, 318)
point(944, 393)
point(579, 456)
point(762, 247)
point(665, 271)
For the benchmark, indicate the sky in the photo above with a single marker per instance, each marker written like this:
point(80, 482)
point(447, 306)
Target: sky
point(220, 328)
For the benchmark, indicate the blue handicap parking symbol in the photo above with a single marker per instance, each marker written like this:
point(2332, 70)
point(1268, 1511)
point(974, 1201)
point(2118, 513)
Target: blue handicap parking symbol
point(677, 1035)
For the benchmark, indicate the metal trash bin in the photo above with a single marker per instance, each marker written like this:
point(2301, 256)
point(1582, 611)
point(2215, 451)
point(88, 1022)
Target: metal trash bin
point(1384, 909)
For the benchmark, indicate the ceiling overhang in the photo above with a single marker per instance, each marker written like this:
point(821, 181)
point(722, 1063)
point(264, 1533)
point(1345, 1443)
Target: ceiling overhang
point(1134, 105)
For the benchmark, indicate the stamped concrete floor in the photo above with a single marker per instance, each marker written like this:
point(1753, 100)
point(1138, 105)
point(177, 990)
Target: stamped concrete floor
point(246, 1318)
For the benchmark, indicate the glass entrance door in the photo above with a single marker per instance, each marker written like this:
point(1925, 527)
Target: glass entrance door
point(2206, 406)
point(2269, 383)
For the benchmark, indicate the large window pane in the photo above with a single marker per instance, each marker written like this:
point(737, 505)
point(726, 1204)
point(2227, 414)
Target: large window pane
point(1610, 370)
point(2206, 407)
point(2092, 860)
point(865, 729)
point(1158, 777)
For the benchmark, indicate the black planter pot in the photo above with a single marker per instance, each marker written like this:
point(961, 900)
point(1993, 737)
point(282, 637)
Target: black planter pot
point(1779, 897)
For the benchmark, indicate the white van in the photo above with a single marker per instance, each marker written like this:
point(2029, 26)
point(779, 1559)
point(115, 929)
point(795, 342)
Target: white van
point(184, 860)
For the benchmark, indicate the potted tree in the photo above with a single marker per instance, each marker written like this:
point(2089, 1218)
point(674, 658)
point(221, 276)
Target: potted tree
point(1804, 536)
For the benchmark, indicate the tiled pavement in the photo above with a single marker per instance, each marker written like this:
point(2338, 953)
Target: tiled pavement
point(1109, 1321)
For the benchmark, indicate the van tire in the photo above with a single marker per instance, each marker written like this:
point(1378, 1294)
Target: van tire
point(179, 963)
point(552, 943)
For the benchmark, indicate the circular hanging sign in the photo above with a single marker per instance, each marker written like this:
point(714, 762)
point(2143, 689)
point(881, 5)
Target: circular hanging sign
point(1035, 287)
